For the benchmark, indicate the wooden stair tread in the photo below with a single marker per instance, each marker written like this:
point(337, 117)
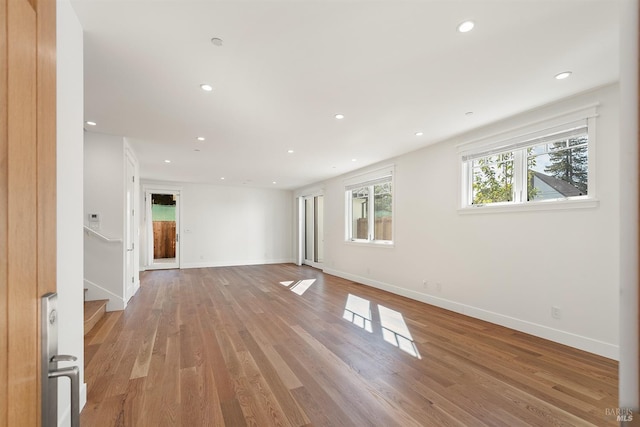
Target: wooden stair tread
point(93, 312)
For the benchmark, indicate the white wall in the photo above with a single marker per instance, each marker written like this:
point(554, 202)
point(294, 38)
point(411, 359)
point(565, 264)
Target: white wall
point(104, 194)
point(507, 268)
point(224, 225)
point(629, 354)
point(69, 199)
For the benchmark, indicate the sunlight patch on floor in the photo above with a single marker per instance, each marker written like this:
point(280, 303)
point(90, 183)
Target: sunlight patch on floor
point(396, 332)
point(302, 286)
point(358, 311)
point(393, 328)
point(299, 287)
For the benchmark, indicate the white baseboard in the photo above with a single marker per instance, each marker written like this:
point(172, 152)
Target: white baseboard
point(590, 345)
point(136, 287)
point(95, 292)
point(207, 264)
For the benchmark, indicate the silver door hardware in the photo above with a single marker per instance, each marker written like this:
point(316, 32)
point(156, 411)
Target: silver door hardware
point(50, 370)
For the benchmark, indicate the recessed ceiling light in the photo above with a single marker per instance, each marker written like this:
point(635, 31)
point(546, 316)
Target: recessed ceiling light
point(200, 138)
point(290, 151)
point(91, 123)
point(197, 149)
point(419, 133)
point(206, 87)
point(222, 178)
point(274, 182)
point(339, 116)
point(216, 41)
point(354, 160)
point(563, 75)
point(466, 26)
point(167, 161)
point(469, 113)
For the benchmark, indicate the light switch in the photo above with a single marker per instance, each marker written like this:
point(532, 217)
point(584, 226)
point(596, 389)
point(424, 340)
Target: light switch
point(94, 221)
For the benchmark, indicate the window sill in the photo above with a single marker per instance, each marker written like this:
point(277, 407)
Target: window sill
point(551, 205)
point(369, 243)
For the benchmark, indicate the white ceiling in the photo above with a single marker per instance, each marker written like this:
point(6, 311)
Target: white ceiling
point(287, 67)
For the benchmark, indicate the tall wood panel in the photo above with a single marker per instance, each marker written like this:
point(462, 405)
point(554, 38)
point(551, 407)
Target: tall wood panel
point(46, 145)
point(3, 212)
point(27, 198)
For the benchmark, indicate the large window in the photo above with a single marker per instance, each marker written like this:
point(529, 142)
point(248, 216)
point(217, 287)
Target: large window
point(547, 165)
point(369, 209)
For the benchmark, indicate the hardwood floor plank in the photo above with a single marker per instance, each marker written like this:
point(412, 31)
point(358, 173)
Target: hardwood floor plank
point(333, 411)
point(232, 413)
point(134, 403)
point(433, 392)
point(143, 358)
point(232, 346)
point(287, 377)
point(261, 393)
point(170, 401)
point(313, 407)
point(278, 389)
point(120, 382)
point(350, 382)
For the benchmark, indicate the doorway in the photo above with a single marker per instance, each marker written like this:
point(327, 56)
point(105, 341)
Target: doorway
point(312, 212)
point(163, 225)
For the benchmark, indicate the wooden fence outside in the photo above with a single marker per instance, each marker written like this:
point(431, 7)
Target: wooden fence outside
point(164, 239)
point(383, 227)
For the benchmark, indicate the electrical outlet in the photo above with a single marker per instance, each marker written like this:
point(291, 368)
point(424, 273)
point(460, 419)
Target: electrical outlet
point(556, 312)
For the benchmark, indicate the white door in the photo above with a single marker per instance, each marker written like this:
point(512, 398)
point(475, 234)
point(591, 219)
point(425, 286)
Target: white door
point(130, 232)
point(163, 229)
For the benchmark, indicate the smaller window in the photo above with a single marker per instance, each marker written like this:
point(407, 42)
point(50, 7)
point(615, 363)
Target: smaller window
point(492, 178)
point(369, 210)
point(558, 169)
point(543, 165)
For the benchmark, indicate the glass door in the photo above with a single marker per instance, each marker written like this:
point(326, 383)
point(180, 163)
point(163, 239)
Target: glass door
point(163, 230)
point(313, 236)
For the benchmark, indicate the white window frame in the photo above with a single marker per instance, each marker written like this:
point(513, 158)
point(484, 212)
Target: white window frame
point(369, 179)
point(517, 141)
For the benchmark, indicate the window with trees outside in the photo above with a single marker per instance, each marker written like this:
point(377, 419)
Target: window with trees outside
point(548, 165)
point(369, 210)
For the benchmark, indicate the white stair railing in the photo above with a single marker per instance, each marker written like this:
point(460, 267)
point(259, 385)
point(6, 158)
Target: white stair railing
point(94, 233)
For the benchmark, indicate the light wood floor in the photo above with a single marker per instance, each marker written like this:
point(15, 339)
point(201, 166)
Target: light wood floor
point(234, 346)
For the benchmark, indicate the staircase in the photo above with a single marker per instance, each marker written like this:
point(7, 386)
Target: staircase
point(93, 312)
